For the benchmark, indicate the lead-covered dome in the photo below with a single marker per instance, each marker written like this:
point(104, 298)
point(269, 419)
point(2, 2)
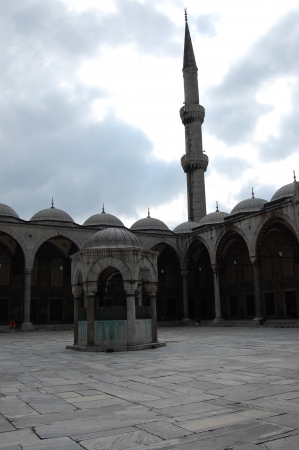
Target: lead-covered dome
point(103, 220)
point(149, 223)
point(285, 191)
point(248, 206)
point(213, 218)
point(52, 214)
point(7, 211)
point(114, 238)
point(185, 227)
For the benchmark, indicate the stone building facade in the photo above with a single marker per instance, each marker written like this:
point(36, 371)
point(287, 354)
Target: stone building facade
point(215, 266)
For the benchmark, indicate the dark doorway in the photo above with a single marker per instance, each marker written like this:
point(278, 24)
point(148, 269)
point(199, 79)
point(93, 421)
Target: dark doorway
point(270, 303)
point(4, 310)
point(56, 309)
point(204, 308)
point(33, 310)
point(192, 307)
point(171, 308)
point(233, 306)
point(250, 305)
point(291, 304)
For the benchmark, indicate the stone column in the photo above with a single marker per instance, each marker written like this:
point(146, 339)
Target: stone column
point(218, 317)
point(130, 289)
point(90, 296)
point(257, 291)
point(151, 289)
point(77, 290)
point(26, 324)
point(185, 295)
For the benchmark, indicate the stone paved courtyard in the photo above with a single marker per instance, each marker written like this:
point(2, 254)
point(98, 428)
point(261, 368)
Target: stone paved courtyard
point(209, 388)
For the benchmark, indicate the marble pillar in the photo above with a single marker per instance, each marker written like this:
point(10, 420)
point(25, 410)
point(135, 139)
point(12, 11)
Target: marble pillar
point(153, 303)
point(26, 324)
point(77, 290)
point(218, 317)
point(185, 295)
point(131, 319)
point(257, 291)
point(90, 318)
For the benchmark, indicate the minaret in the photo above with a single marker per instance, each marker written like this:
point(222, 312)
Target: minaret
point(194, 162)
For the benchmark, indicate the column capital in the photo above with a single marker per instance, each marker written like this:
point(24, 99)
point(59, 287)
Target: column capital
point(184, 273)
point(130, 287)
point(151, 289)
point(77, 290)
point(90, 288)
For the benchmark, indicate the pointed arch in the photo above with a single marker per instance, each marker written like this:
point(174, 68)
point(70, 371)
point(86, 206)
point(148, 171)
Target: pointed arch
point(47, 235)
point(109, 261)
point(144, 263)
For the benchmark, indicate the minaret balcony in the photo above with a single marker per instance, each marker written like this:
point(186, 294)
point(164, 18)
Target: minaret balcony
point(192, 113)
point(194, 162)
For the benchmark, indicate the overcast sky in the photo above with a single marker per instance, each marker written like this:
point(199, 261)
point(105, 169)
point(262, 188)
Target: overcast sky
point(90, 98)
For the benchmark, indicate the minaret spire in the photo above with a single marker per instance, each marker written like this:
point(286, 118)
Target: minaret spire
point(194, 162)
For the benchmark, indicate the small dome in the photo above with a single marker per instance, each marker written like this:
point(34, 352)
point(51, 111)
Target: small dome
point(213, 218)
point(114, 238)
point(185, 227)
point(149, 223)
point(7, 211)
point(285, 191)
point(52, 214)
point(103, 220)
point(250, 205)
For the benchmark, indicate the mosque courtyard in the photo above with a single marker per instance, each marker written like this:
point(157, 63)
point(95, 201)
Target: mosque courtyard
point(209, 388)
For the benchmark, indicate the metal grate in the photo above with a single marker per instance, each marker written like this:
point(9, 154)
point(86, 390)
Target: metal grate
point(287, 262)
point(57, 272)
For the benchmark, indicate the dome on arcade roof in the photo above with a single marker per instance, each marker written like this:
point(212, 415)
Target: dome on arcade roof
point(285, 191)
point(7, 211)
point(250, 205)
point(103, 220)
point(149, 223)
point(52, 214)
point(117, 238)
point(214, 217)
point(185, 227)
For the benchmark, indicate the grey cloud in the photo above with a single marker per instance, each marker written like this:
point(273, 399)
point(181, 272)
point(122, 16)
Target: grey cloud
point(205, 24)
point(232, 109)
point(81, 165)
point(229, 167)
point(264, 191)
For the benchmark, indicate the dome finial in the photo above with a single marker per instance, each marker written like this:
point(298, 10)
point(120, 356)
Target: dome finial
point(148, 213)
point(252, 192)
point(186, 17)
point(103, 209)
point(294, 176)
point(217, 209)
point(52, 204)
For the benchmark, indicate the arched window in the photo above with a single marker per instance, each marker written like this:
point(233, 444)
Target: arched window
point(34, 273)
point(4, 269)
point(57, 272)
point(267, 265)
point(170, 275)
point(248, 272)
point(287, 262)
point(231, 271)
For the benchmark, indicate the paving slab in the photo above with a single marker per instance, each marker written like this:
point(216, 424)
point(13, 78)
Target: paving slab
point(207, 389)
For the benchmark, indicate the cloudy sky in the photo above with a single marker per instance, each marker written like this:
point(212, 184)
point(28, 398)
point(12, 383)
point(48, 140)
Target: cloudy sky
point(90, 98)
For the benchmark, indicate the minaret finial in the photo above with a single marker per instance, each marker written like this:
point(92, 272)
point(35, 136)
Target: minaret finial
point(217, 209)
point(52, 203)
point(186, 17)
point(148, 213)
point(103, 209)
point(294, 176)
point(252, 193)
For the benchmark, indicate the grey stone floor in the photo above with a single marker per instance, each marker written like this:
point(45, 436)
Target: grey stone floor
point(209, 388)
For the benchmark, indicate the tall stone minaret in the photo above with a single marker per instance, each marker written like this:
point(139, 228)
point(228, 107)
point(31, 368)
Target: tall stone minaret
point(194, 162)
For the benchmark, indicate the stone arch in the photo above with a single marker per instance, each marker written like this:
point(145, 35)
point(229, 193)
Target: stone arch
point(281, 222)
point(144, 263)
point(224, 238)
point(47, 235)
point(20, 241)
point(156, 241)
point(78, 269)
point(191, 244)
point(109, 261)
